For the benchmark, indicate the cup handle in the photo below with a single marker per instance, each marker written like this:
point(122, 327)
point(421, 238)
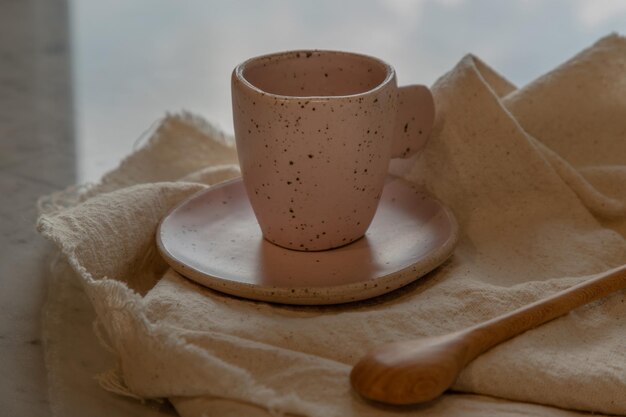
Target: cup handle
point(414, 120)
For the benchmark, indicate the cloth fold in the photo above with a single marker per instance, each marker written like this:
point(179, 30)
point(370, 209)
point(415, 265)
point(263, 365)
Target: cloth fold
point(535, 177)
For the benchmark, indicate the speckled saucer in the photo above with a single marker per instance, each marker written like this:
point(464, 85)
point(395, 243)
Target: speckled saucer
point(214, 239)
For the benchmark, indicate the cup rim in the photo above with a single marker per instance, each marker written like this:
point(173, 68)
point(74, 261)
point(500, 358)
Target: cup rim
point(239, 70)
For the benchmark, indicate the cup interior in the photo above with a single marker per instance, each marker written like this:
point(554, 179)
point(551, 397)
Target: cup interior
point(315, 73)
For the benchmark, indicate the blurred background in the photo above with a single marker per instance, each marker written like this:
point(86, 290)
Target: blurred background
point(133, 61)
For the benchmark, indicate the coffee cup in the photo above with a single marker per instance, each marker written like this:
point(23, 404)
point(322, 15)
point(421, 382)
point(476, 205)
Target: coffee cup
point(315, 131)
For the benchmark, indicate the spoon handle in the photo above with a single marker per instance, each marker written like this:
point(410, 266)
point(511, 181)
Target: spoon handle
point(499, 329)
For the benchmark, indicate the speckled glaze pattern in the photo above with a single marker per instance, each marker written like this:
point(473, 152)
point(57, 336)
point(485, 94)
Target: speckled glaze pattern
point(315, 131)
point(213, 239)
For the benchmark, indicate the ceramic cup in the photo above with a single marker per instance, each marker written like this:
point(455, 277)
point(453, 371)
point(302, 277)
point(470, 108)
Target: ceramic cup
point(315, 131)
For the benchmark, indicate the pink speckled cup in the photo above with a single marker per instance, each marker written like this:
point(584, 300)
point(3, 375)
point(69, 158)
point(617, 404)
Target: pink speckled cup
point(315, 132)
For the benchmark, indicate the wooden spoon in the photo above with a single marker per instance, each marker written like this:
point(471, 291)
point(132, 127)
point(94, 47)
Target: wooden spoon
point(421, 370)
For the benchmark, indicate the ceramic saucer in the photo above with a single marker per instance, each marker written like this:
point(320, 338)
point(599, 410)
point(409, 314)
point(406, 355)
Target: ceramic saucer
point(213, 238)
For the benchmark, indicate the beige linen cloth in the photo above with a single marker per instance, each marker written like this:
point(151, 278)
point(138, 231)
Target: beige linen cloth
point(537, 179)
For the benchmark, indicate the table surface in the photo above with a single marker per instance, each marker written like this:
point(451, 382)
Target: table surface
point(80, 82)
